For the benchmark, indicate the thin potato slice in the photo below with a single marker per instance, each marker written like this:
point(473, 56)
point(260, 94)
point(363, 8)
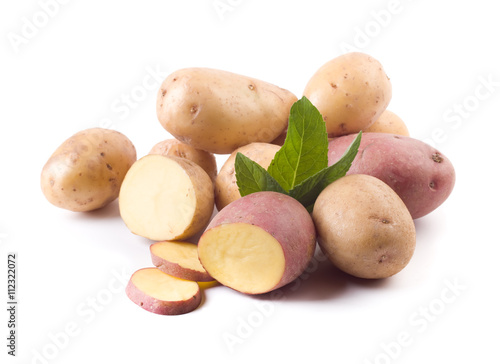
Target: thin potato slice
point(179, 259)
point(160, 293)
point(166, 198)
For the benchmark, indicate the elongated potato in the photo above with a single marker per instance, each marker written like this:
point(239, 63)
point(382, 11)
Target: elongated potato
point(388, 122)
point(258, 243)
point(421, 175)
point(160, 293)
point(363, 227)
point(350, 91)
point(179, 259)
point(176, 148)
point(219, 111)
point(226, 189)
point(166, 198)
point(86, 171)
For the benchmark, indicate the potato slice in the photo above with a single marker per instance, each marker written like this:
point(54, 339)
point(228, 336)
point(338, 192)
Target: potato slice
point(258, 243)
point(161, 293)
point(166, 198)
point(179, 259)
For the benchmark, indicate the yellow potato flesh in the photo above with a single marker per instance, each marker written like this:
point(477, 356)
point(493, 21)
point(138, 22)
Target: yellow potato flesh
point(163, 287)
point(182, 253)
point(157, 198)
point(242, 256)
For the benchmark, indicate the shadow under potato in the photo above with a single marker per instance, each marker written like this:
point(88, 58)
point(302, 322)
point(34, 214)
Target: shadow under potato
point(111, 210)
point(321, 281)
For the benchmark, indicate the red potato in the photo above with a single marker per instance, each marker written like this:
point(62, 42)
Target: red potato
point(421, 175)
point(179, 259)
point(160, 293)
point(258, 243)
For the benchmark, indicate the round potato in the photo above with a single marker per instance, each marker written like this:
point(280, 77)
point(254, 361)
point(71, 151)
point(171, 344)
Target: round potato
point(176, 148)
point(390, 123)
point(363, 227)
point(219, 111)
point(226, 189)
point(85, 173)
point(350, 91)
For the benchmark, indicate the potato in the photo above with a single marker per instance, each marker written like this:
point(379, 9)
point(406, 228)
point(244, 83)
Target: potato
point(390, 123)
point(258, 243)
point(219, 111)
point(160, 293)
point(350, 91)
point(226, 189)
point(166, 198)
point(86, 171)
point(176, 148)
point(363, 227)
point(421, 175)
point(179, 259)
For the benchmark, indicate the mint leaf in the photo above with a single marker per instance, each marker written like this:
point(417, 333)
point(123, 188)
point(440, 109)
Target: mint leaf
point(252, 177)
point(305, 150)
point(307, 192)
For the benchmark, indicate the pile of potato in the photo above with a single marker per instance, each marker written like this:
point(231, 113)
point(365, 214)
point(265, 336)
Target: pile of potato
point(363, 222)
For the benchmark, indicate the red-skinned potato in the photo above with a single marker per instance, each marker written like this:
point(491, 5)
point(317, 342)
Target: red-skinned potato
point(160, 293)
point(179, 259)
point(421, 175)
point(258, 243)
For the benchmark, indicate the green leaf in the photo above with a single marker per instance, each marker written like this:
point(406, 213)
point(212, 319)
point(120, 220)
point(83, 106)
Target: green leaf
point(251, 177)
point(307, 192)
point(305, 150)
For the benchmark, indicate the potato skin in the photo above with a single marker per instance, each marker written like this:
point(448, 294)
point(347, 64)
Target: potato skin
point(226, 189)
point(421, 175)
point(350, 91)
point(390, 123)
point(85, 173)
point(281, 216)
point(219, 111)
point(363, 227)
point(176, 148)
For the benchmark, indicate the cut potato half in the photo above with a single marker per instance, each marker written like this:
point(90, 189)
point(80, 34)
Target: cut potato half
point(160, 293)
point(244, 257)
point(258, 243)
point(166, 198)
point(179, 259)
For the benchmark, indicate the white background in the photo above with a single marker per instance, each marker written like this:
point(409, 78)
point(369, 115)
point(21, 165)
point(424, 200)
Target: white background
point(72, 65)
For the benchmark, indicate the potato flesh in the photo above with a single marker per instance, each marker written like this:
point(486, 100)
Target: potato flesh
point(243, 256)
point(182, 253)
point(157, 199)
point(163, 287)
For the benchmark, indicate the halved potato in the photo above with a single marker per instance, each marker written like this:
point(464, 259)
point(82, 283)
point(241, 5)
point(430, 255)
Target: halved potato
point(179, 259)
point(166, 198)
point(160, 293)
point(258, 243)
